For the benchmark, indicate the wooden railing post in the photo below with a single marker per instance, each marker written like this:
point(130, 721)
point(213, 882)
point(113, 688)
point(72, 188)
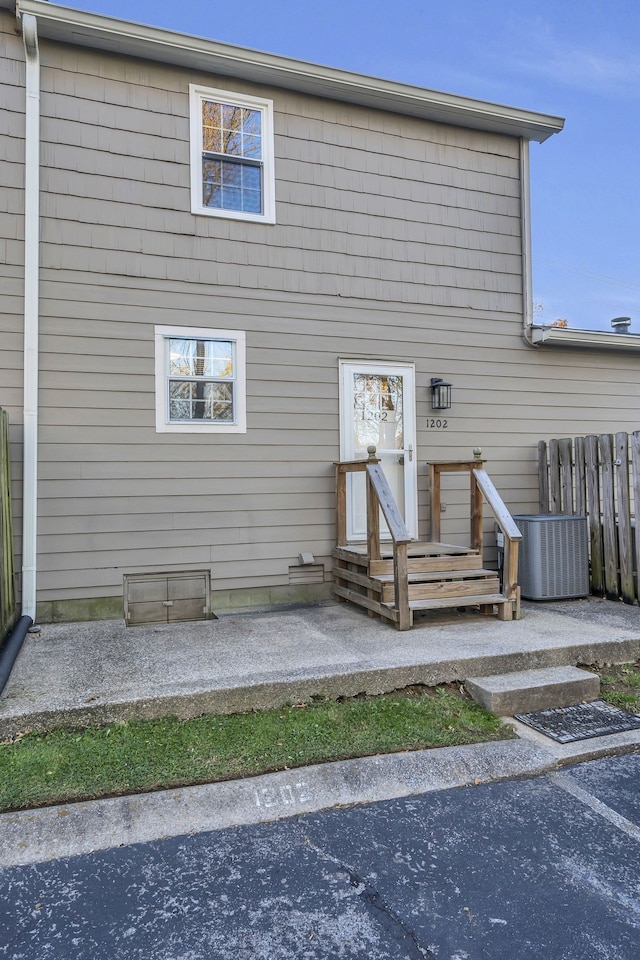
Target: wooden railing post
point(401, 584)
point(373, 522)
point(341, 506)
point(436, 512)
point(476, 532)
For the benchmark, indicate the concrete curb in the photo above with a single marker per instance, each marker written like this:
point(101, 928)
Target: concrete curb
point(52, 833)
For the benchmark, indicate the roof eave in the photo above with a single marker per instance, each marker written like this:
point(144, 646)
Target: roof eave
point(67, 25)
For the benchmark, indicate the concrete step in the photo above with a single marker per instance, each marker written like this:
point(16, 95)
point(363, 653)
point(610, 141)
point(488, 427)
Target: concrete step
point(528, 690)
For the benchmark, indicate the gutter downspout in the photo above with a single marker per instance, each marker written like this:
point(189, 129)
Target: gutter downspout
point(525, 220)
point(31, 314)
point(533, 335)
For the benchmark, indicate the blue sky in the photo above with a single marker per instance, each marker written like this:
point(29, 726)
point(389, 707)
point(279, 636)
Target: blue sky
point(578, 59)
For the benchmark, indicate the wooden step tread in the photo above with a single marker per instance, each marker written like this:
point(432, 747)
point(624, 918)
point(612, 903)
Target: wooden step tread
point(441, 602)
point(417, 548)
point(437, 575)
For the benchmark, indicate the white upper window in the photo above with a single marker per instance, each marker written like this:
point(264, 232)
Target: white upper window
point(200, 380)
point(232, 168)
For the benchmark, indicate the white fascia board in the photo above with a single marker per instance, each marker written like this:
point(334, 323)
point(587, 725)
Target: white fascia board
point(593, 339)
point(67, 25)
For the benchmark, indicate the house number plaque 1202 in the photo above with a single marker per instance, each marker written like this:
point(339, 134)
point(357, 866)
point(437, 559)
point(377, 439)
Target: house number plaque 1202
point(437, 424)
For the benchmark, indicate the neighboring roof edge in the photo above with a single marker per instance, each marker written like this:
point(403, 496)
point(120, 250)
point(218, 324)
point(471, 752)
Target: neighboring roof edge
point(549, 336)
point(68, 25)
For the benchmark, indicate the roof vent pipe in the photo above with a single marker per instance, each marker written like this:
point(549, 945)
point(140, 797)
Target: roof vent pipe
point(621, 324)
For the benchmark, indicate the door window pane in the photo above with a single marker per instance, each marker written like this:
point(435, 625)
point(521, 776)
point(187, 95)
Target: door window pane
point(377, 411)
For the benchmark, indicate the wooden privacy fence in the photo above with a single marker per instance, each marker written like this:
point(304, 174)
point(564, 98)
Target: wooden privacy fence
point(8, 605)
point(598, 477)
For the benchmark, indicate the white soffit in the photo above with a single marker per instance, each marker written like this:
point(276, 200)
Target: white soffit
point(67, 25)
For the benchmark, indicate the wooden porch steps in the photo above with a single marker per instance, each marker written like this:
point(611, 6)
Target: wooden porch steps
point(439, 575)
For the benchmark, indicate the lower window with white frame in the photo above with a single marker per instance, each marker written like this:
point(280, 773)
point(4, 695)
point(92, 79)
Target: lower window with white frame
point(200, 380)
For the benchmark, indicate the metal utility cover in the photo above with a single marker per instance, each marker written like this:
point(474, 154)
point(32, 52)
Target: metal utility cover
point(166, 597)
point(580, 722)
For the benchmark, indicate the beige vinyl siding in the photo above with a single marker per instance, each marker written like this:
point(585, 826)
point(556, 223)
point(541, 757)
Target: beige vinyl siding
point(395, 239)
point(117, 493)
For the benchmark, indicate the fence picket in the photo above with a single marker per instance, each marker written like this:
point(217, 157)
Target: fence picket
point(635, 483)
point(543, 477)
point(609, 538)
point(581, 501)
point(555, 500)
point(625, 544)
point(593, 513)
point(566, 476)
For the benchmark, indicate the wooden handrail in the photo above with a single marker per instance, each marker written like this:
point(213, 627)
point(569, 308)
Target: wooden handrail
point(512, 537)
point(388, 505)
point(504, 519)
point(481, 486)
point(379, 498)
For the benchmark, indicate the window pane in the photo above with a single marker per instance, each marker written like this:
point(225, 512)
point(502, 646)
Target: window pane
point(251, 201)
point(377, 411)
point(251, 177)
point(252, 147)
point(225, 185)
point(232, 174)
point(232, 143)
point(231, 130)
point(212, 139)
point(200, 358)
point(211, 115)
point(195, 400)
point(212, 171)
point(231, 117)
point(251, 122)
point(232, 198)
point(219, 401)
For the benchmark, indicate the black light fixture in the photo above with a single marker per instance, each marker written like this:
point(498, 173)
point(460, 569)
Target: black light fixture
point(440, 394)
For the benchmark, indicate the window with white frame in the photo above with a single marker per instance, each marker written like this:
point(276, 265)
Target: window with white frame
point(232, 166)
point(200, 380)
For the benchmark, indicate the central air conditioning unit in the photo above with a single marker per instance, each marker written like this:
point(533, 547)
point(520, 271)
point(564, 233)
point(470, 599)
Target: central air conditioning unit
point(554, 557)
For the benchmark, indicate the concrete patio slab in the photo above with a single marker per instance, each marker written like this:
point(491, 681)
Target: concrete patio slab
point(92, 673)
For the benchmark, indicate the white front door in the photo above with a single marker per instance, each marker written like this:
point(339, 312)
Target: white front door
point(377, 405)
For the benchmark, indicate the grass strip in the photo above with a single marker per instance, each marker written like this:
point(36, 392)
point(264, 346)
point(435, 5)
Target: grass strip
point(620, 686)
point(136, 756)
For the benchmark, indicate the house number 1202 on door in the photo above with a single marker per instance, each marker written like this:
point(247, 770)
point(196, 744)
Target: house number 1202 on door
point(433, 424)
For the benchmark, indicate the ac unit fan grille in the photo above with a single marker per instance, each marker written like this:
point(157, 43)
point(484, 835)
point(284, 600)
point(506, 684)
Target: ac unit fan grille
point(554, 557)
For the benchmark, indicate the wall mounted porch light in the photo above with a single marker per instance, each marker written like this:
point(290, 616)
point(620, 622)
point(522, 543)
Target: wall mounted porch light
point(440, 394)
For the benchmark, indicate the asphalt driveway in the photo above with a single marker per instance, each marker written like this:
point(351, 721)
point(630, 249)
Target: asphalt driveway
point(546, 868)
